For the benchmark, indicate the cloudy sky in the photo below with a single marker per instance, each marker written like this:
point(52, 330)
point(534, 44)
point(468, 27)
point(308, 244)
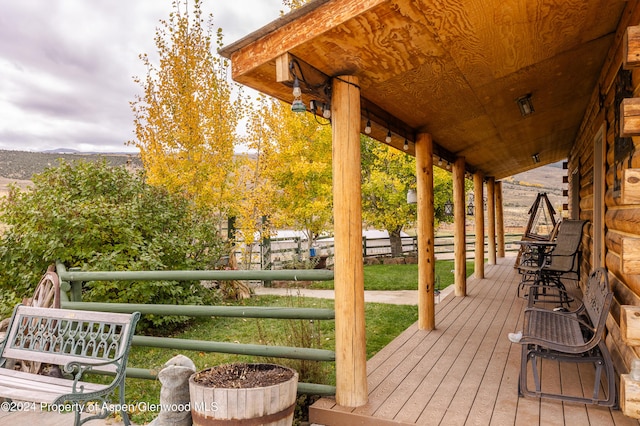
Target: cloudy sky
point(67, 66)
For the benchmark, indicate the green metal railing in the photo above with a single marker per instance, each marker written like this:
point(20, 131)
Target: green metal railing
point(72, 281)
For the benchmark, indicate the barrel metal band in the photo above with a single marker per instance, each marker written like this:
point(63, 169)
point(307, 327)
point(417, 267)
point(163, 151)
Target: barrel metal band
point(200, 419)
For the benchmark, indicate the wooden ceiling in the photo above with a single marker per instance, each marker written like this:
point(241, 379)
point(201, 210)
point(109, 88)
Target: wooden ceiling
point(451, 68)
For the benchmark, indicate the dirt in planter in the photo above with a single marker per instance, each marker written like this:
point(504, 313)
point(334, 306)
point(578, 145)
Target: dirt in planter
point(243, 375)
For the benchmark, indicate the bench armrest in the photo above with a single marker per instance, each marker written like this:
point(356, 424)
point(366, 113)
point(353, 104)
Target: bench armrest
point(78, 369)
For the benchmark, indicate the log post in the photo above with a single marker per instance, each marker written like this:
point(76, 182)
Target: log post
point(351, 357)
point(478, 190)
point(491, 221)
point(425, 231)
point(459, 237)
point(499, 219)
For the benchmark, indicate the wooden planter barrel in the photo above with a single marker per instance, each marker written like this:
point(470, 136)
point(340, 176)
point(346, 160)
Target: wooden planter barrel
point(269, 405)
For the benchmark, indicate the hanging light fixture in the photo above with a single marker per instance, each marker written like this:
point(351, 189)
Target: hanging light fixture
point(297, 92)
point(388, 138)
point(448, 208)
point(406, 145)
point(470, 206)
point(297, 105)
point(412, 196)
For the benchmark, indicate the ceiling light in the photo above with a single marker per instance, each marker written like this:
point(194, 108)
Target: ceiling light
point(525, 105)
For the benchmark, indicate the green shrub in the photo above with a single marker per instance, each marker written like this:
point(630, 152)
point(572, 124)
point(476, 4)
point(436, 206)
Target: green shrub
point(97, 217)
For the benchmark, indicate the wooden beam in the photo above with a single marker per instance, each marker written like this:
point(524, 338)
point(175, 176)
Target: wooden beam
point(491, 221)
point(291, 31)
point(631, 48)
point(630, 117)
point(630, 187)
point(425, 232)
point(283, 73)
point(478, 192)
point(459, 237)
point(351, 353)
point(499, 219)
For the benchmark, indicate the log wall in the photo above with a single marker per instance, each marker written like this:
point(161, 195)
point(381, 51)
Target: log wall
point(621, 216)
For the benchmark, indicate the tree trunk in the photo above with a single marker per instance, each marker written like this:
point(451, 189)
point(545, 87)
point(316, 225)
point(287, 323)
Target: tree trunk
point(396, 243)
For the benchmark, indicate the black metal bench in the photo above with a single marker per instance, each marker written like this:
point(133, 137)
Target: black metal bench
point(78, 341)
point(575, 336)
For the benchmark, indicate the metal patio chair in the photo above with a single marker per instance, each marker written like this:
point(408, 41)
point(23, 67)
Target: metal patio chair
point(576, 337)
point(562, 262)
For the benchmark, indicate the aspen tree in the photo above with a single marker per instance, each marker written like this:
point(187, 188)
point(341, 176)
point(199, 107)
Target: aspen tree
point(186, 119)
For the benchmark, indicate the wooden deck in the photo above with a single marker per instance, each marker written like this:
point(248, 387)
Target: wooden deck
point(466, 371)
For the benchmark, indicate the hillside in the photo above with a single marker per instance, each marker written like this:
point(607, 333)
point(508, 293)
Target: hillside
point(21, 165)
point(520, 191)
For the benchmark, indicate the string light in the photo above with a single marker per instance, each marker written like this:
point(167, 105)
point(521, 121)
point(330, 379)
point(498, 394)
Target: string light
point(367, 128)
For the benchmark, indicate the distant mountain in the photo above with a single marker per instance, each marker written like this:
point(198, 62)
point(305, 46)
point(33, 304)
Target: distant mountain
point(61, 151)
point(75, 151)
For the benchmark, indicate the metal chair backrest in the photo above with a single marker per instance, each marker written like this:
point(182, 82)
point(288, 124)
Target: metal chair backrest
point(597, 300)
point(564, 256)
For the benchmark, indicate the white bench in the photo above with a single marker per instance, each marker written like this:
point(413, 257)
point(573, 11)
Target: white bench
point(77, 341)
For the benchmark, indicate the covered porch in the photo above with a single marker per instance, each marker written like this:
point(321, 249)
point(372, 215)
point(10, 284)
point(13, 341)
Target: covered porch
point(465, 371)
point(450, 84)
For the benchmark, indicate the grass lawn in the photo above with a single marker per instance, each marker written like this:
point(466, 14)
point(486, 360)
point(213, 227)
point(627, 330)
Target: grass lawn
point(383, 322)
point(401, 277)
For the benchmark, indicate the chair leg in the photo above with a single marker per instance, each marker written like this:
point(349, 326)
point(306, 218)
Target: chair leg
point(600, 359)
point(612, 400)
point(522, 379)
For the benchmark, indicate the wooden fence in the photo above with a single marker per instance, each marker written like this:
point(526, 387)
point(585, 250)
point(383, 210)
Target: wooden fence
point(292, 252)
